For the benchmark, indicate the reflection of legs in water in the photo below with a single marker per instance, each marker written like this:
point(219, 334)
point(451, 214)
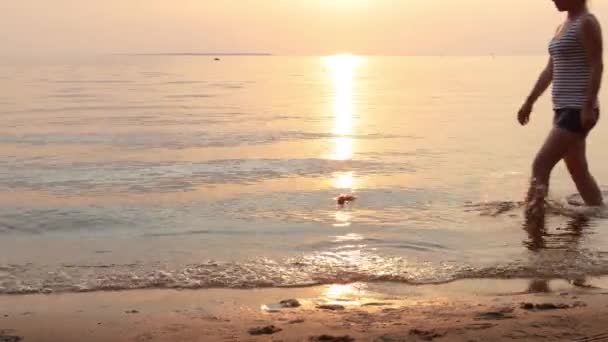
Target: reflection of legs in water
point(542, 285)
point(580, 282)
point(538, 235)
point(537, 240)
point(554, 149)
point(539, 286)
point(575, 228)
point(535, 227)
point(576, 161)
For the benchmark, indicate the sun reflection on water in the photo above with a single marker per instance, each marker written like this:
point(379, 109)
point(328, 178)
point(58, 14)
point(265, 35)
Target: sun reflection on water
point(342, 218)
point(343, 180)
point(342, 69)
point(344, 291)
point(346, 294)
point(343, 148)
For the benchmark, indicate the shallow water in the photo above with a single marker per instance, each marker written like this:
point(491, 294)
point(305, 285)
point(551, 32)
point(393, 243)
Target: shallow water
point(133, 171)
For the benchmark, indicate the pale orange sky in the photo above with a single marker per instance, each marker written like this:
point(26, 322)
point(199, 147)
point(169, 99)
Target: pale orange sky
point(300, 27)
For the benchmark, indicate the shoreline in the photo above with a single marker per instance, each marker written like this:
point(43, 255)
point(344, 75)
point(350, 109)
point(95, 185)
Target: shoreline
point(464, 310)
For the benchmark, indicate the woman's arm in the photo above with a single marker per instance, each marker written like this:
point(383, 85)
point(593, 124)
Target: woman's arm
point(592, 41)
point(542, 83)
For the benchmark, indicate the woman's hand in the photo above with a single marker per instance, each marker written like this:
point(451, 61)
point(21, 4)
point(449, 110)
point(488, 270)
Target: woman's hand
point(523, 116)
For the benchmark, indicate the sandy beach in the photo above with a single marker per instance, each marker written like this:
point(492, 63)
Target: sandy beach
point(319, 171)
point(468, 310)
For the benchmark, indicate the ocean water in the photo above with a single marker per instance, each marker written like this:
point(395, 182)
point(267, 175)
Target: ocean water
point(121, 172)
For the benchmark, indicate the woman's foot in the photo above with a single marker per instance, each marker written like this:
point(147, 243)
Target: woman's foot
point(535, 205)
point(535, 208)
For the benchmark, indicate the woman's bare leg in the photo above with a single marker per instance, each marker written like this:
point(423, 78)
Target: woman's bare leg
point(576, 161)
point(553, 150)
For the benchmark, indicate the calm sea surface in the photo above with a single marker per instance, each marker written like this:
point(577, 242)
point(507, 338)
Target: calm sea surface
point(124, 172)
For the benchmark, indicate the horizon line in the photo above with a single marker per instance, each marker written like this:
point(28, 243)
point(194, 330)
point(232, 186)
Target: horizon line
point(196, 54)
point(209, 54)
point(259, 54)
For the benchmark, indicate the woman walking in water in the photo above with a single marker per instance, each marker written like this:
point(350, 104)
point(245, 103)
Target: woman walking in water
point(575, 69)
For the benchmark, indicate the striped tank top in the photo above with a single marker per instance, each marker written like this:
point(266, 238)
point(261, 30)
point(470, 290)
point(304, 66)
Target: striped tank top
point(571, 70)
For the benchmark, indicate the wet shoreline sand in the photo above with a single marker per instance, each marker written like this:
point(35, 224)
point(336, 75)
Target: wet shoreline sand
point(466, 310)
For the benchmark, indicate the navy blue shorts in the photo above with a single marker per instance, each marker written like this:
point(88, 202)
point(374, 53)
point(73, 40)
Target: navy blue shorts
point(569, 119)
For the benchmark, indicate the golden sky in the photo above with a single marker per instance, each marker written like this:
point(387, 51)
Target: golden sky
point(300, 27)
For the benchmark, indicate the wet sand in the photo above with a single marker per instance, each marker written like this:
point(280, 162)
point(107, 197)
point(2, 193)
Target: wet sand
point(469, 310)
